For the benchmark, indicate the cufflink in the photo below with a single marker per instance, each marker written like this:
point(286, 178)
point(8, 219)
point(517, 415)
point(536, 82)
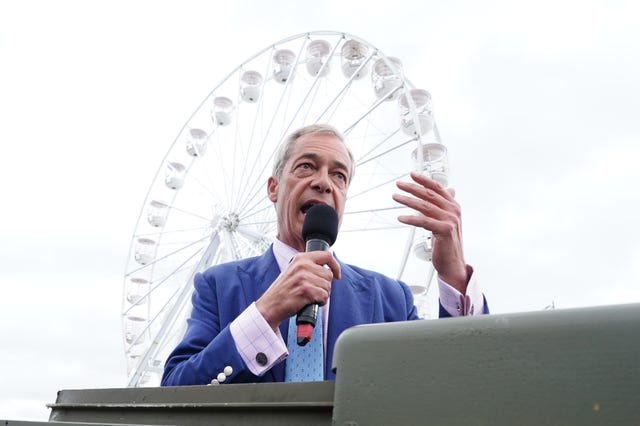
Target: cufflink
point(261, 358)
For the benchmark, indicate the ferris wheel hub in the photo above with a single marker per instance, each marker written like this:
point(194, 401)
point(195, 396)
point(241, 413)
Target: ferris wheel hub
point(230, 221)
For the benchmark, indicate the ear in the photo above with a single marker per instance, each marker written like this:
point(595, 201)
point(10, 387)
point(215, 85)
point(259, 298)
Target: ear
point(272, 189)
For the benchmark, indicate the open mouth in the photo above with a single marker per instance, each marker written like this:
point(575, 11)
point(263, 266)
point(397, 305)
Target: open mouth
point(306, 206)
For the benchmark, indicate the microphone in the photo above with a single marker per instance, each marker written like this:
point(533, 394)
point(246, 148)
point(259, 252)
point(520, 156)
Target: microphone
point(319, 231)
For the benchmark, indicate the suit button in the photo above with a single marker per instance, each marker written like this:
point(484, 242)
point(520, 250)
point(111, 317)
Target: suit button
point(261, 358)
point(228, 370)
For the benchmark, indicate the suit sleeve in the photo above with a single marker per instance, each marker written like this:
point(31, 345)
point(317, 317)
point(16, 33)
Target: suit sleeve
point(207, 348)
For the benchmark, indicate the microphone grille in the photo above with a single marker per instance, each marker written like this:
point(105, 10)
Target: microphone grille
point(321, 221)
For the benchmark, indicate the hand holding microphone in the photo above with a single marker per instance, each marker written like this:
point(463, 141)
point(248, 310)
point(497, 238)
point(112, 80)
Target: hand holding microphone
point(319, 231)
point(307, 278)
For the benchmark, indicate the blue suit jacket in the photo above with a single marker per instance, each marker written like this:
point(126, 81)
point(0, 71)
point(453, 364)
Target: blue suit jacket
point(224, 291)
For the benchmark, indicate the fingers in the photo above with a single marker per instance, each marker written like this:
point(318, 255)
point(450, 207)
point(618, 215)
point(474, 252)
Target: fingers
point(313, 272)
point(306, 280)
point(326, 259)
point(426, 182)
point(427, 189)
point(438, 211)
point(433, 214)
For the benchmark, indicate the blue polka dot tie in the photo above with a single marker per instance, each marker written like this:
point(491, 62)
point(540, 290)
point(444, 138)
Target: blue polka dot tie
point(305, 363)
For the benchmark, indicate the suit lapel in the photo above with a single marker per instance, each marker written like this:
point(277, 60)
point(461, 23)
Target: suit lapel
point(256, 277)
point(351, 304)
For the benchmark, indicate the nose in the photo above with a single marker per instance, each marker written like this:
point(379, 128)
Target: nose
point(321, 182)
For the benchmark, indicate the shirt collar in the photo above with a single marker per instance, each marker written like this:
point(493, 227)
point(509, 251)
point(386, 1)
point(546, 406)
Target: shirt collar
point(283, 253)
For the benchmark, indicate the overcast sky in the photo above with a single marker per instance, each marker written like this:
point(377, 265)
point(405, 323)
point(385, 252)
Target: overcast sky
point(538, 103)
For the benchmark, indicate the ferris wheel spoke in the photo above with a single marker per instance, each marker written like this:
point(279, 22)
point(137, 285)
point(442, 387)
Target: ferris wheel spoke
point(168, 302)
point(155, 285)
point(369, 229)
point(216, 191)
point(201, 181)
point(313, 87)
point(244, 242)
point(254, 189)
point(364, 158)
point(336, 101)
point(142, 298)
point(254, 194)
point(239, 152)
point(260, 205)
point(373, 210)
point(152, 321)
point(370, 110)
point(159, 337)
point(249, 171)
point(310, 94)
point(253, 236)
point(373, 188)
point(192, 214)
point(164, 232)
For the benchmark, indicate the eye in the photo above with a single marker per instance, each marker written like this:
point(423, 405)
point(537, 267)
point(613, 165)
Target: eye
point(304, 166)
point(303, 169)
point(341, 176)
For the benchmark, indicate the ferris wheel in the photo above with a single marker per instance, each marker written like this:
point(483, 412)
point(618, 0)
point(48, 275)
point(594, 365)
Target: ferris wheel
point(207, 203)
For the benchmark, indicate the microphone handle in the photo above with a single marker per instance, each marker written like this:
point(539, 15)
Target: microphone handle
point(308, 315)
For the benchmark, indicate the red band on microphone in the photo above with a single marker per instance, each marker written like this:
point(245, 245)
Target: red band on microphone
point(304, 333)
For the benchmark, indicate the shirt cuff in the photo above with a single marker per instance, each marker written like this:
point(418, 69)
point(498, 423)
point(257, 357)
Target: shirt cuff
point(458, 304)
point(258, 345)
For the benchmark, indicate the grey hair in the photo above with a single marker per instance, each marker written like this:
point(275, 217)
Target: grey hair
point(284, 150)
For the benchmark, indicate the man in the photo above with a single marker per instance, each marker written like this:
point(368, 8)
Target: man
point(241, 310)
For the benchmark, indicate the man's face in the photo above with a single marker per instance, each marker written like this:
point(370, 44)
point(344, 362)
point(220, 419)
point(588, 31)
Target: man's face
point(317, 172)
